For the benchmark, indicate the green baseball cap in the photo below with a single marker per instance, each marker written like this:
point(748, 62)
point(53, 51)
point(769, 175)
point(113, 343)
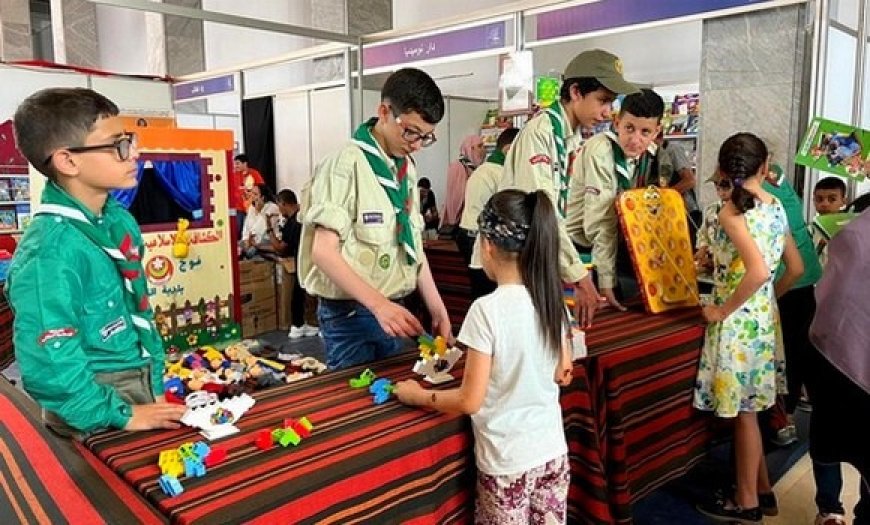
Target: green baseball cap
point(602, 66)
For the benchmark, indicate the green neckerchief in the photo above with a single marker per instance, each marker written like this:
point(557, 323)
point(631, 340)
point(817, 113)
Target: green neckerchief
point(496, 157)
point(117, 245)
point(625, 179)
point(396, 186)
point(560, 165)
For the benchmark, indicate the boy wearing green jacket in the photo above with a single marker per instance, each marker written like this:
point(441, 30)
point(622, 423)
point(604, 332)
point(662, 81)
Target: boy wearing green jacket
point(84, 333)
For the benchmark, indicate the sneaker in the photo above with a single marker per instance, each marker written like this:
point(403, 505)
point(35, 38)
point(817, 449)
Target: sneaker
point(296, 332)
point(767, 503)
point(785, 436)
point(830, 518)
point(310, 331)
point(724, 510)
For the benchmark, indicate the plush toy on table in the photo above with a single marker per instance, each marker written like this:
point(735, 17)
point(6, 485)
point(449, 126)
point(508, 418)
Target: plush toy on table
point(436, 359)
point(181, 246)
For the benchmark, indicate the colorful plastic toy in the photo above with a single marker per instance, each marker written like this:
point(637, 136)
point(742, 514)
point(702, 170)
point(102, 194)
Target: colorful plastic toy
point(170, 485)
point(381, 389)
point(435, 359)
point(365, 379)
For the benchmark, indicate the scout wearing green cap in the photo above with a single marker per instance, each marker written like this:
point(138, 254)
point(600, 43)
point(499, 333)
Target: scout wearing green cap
point(541, 156)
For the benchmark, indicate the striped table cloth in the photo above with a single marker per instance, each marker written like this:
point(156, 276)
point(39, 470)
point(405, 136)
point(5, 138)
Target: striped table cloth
point(641, 372)
point(6, 318)
point(48, 479)
point(363, 463)
point(628, 421)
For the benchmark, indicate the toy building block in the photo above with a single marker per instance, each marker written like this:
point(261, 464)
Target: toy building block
point(170, 463)
point(215, 457)
point(170, 485)
point(201, 450)
point(286, 437)
point(381, 388)
point(264, 440)
point(365, 379)
point(185, 450)
point(193, 468)
point(302, 426)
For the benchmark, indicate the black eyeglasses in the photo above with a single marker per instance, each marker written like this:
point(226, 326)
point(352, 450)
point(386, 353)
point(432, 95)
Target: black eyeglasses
point(412, 136)
point(123, 146)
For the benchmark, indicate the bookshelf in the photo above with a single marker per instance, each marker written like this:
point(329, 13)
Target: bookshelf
point(14, 200)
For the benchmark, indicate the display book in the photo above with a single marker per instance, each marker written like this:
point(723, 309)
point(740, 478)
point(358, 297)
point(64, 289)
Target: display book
point(14, 202)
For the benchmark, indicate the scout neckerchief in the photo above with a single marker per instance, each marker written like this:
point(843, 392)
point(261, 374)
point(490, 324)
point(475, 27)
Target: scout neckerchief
point(624, 178)
point(396, 186)
point(496, 157)
point(117, 243)
point(560, 164)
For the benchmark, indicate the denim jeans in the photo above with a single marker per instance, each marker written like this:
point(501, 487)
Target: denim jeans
point(829, 486)
point(352, 334)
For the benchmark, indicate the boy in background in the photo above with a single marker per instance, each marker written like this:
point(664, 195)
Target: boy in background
point(287, 245)
point(610, 163)
point(242, 182)
point(829, 196)
point(84, 331)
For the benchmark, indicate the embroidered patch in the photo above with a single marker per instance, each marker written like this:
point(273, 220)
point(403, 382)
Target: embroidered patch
point(540, 159)
point(56, 333)
point(372, 217)
point(384, 261)
point(116, 326)
point(592, 191)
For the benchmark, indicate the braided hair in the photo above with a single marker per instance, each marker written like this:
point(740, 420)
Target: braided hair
point(524, 225)
point(741, 156)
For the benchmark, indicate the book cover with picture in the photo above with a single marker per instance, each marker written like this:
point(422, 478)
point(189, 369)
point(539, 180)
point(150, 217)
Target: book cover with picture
point(834, 147)
point(8, 219)
point(5, 194)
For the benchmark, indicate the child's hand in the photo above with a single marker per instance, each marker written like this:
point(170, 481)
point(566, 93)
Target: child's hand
point(156, 415)
point(409, 392)
point(564, 374)
point(713, 313)
point(396, 320)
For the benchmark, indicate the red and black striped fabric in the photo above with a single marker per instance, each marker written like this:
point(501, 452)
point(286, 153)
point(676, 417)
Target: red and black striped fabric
point(628, 419)
point(45, 478)
point(451, 278)
point(363, 462)
point(6, 353)
point(641, 372)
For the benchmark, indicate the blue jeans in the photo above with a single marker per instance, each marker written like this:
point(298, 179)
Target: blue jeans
point(829, 486)
point(352, 334)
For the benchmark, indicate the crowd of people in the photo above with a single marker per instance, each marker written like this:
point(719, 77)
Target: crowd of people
point(523, 218)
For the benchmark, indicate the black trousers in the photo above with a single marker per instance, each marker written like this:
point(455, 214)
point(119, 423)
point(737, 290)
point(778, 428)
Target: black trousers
point(796, 311)
point(297, 303)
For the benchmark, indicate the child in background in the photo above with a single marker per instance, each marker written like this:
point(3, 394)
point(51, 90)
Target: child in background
point(829, 196)
point(286, 244)
point(742, 338)
point(710, 224)
point(517, 357)
point(84, 331)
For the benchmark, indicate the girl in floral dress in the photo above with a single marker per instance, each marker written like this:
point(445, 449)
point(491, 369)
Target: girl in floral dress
point(740, 373)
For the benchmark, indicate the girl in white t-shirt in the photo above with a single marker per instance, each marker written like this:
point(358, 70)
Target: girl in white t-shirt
point(517, 357)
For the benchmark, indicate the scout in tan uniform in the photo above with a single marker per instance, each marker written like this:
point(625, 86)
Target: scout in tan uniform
point(480, 187)
point(541, 154)
point(362, 251)
point(610, 163)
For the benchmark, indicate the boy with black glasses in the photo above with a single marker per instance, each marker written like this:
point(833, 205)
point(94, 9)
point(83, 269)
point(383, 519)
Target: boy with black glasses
point(362, 249)
point(84, 332)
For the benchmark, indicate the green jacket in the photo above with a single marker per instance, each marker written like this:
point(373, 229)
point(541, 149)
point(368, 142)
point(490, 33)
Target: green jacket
point(791, 202)
point(71, 320)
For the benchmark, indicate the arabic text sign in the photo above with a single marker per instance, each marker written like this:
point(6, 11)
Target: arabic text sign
point(205, 87)
point(448, 43)
point(607, 14)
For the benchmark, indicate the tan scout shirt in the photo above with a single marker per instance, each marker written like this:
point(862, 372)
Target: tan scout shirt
point(345, 196)
point(482, 185)
point(529, 167)
point(592, 219)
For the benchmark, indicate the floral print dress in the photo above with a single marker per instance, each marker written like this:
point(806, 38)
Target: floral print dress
point(742, 365)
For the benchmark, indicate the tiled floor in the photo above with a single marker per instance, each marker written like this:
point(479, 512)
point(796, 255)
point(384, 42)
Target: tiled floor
point(796, 490)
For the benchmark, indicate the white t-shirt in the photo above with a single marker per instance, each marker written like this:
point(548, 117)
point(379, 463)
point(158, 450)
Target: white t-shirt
point(257, 224)
point(519, 426)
